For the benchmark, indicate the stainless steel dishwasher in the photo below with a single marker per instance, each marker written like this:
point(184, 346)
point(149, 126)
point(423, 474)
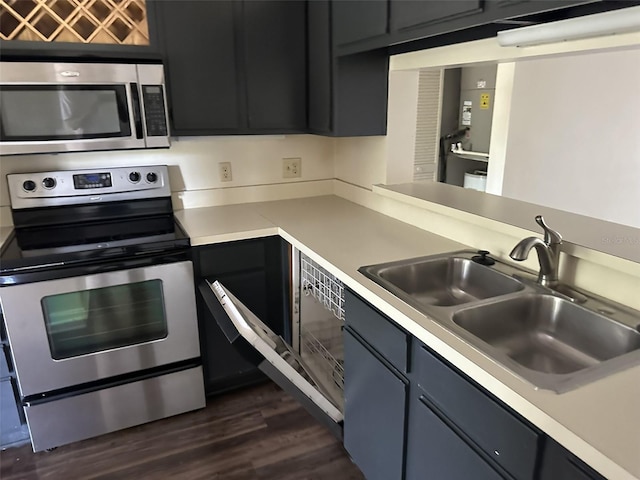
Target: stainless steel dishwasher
point(311, 368)
point(317, 324)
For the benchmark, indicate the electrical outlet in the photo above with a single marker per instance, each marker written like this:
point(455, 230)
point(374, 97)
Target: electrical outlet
point(291, 167)
point(224, 171)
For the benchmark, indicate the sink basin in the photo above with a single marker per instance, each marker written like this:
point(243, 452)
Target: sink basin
point(556, 340)
point(550, 335)
point(441, 281)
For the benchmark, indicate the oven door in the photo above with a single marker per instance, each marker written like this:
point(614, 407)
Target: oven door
point(270, 353)
point(77, 330)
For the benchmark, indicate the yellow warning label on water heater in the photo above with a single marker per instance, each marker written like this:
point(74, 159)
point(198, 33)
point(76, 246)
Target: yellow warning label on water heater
point(484, 101)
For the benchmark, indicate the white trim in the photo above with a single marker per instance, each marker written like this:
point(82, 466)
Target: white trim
point(500, 127)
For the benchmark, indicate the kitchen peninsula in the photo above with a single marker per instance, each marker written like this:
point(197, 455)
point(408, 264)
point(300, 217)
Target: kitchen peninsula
point(343, 236)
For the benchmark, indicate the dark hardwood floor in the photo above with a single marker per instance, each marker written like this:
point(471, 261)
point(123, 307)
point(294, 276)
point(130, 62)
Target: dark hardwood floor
point(256, 433)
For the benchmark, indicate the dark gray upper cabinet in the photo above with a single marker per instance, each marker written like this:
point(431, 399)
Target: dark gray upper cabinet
point(201, 67)
point(421, 24)
point(235, 67)
point(347, 95)
point(320, 67)
point(411, 13)
point(371, 20)
point(275, 64)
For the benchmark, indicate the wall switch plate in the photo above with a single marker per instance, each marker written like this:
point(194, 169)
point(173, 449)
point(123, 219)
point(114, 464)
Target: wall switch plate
point(291, 167)
point(224, 171)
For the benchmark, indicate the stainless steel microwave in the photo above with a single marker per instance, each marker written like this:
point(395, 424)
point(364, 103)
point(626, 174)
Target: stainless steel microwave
point(48, 107)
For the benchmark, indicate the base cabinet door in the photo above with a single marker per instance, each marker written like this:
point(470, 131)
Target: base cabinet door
point(436, 451)
point(374, 417)
point(13, 429)
point(560, 464)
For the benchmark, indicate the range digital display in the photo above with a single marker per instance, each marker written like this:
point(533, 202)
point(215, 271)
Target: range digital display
point(92, 180)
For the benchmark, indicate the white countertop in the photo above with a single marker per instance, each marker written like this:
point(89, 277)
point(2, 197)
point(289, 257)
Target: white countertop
point(599, 422)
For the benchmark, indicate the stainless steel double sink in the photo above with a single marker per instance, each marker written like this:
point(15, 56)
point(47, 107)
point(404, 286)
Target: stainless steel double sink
point(554, 341)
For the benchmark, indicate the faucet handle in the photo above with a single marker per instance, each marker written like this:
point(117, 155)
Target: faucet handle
point(551, 237)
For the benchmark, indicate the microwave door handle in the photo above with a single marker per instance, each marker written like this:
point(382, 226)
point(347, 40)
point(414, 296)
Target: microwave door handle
point(137, 113)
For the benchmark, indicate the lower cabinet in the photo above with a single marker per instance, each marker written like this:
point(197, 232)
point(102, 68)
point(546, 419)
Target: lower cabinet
point(13, 427)
point(256, 271)
point(374, 417)
point(560, 464)
point(410, 415)
point(436, 450)
point(493, 431)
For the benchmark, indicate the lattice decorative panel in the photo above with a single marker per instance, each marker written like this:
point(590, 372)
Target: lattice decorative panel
point(122, 22)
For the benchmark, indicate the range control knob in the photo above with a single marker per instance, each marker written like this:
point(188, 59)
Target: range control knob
point(49, 182)
point(152, 177)
point(29, 185)
point(134, 177)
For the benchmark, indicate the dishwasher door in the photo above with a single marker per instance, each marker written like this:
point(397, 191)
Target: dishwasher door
point(270, 353)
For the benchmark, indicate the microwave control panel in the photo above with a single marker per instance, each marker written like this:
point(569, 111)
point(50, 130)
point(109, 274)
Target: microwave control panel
point(154, 111)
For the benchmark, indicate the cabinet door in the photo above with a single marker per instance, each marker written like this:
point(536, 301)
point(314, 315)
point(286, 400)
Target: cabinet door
point(356, 20)
point(412, 13)
point(275, 64)
point(202, 79)
point(13, 430)
point(436, 451)
point(320, 66)
point(374, 416)
point(559, 463)
point(348, 94)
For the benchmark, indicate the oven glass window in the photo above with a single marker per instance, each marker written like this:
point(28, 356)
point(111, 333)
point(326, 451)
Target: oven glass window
point(63, 112)
point(94, 320)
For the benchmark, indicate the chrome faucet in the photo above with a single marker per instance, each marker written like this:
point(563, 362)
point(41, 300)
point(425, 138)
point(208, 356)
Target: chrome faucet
point(548, 253)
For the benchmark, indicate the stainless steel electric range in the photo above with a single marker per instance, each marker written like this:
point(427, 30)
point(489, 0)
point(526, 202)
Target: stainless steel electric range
point(97, 293)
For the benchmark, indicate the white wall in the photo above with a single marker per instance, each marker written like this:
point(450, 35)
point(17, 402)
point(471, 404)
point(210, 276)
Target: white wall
point(193, 161)
point(574, 135)
point(367, 161)
point(361, 161)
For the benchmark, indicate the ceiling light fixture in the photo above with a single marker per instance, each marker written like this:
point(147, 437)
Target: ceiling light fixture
point(624, 20)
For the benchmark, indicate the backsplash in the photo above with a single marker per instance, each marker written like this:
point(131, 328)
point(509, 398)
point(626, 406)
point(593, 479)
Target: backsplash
point(193, 163)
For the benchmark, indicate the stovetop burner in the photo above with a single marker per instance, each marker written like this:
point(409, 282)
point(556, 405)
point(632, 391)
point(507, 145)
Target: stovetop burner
point(115, 219)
